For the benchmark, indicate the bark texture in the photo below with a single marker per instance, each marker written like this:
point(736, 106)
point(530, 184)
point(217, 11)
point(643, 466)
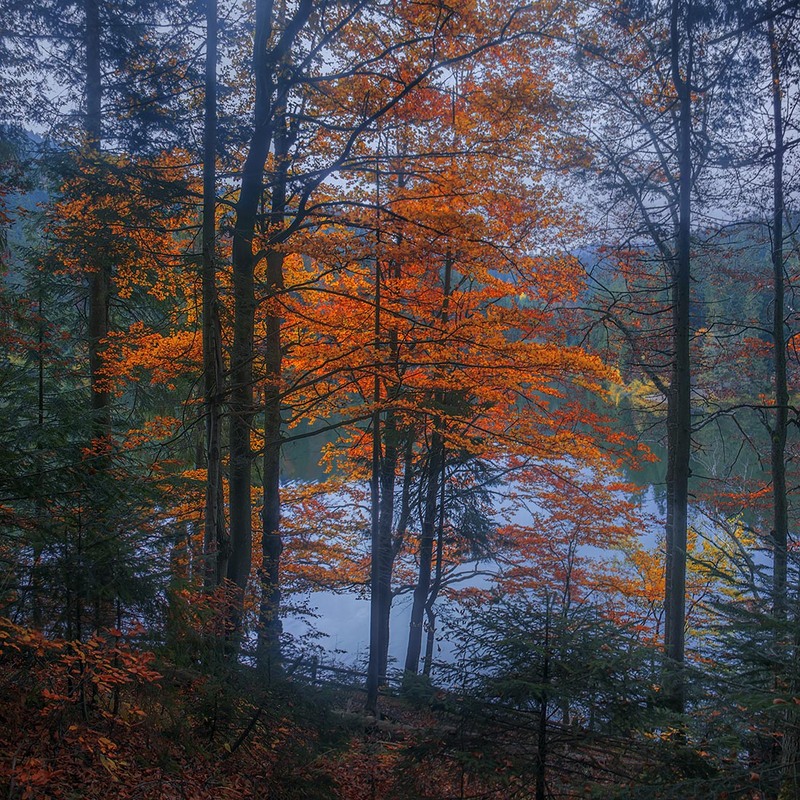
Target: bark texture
point(679, 408)
point(100, 276)
point(215, 541)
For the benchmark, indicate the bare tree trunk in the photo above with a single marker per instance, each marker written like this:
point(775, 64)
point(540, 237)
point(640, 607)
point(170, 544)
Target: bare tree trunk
point(434, 473)
point(786, 678)
point(241, 399)
point(389, 547)
point(98, 325)
point(373, 676)
point(215, 542)
point(272, 80)
point(422, 589)
point(395, 544)
point(541, 745)
point(41, 510)
point(242, 350)
point(100, 277)
point(436, 586)
point(780, 524)
point(679, 421)
point(270, 627)
point(383, 560)
point(382, 486)
point(385, 523)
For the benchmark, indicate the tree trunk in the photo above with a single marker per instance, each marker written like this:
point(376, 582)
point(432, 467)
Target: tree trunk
point(382, 562)
point(422, 589)
point(215, 543)
point(385, 523)
point(541, 745)
point(98, 326)
point(384, 470)
point(100, 277)
point(436, 587)
point(373, 677)
point(273, 79)
point(41, 510)
point(435, 471)
point(395, 544)
point(242, 350)
point(390, 546)
point(241, 398)
point(270, 627)
point(786, 678)
point(780, 523)
point(679, 416)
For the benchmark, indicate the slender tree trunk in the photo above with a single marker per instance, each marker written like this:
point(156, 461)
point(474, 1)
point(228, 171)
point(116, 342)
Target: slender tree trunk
point(373, 677)
point(395, 543)
point(430, 637)
point(385, 525)
point(389, 547)
point(215, 542)
point(98, 326)
point(100, 277)
point(79, 581)
point(786, 678)
point(436, 586)
point(383, 560)
point(780, 524)
point(422, 589)
point(273, 76)
point(670, 516)
point(384, 469)
point(241, 403)
point(270, 627)
point(41, 511)
point(435, 463)
point(541, 745)
point(680, 385)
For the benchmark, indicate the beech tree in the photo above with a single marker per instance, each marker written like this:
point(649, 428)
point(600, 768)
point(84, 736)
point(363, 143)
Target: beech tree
point(470, 357)
point(293, 86)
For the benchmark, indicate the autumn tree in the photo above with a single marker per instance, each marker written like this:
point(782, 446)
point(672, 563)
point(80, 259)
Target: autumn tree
point(474, 364)
point(293, 153)
point(658, 92)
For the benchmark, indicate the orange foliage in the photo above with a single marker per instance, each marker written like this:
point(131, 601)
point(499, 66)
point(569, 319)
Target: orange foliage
point(95, 719)
point(126, 213)
point(136, 352)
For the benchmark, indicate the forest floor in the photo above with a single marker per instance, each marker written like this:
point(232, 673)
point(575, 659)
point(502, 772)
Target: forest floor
point(101, 719)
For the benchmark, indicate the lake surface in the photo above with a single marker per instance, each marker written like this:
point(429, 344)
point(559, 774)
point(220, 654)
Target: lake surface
point(343, 619)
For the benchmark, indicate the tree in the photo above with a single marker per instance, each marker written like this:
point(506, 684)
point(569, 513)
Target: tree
point(294, 89)
point(215, 542)
point(661, 93)
point(521, 659)
point(476, 357)
point(105, 60)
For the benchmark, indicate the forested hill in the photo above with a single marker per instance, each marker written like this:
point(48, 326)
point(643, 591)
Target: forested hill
point(474, 318)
